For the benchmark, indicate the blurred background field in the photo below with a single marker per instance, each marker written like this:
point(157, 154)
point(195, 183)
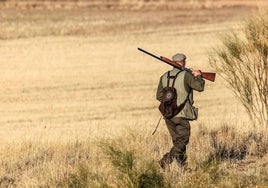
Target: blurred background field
point(76, 61)
point(71, 76)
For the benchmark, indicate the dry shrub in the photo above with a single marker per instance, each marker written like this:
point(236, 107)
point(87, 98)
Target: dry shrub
point(227, 143)
point(128, 161)
point(129, 171)
point(226, 148)
point(242, 62)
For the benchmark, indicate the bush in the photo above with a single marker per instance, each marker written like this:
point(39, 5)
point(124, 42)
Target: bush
point(242, 62)
point(129, 173)
point(228, 144)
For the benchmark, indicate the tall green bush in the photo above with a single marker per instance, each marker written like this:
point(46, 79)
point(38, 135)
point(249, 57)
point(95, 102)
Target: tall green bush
point(242, 61)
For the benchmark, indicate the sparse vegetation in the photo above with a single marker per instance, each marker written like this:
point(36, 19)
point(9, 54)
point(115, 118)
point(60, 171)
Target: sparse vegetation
point(242, 62)
point(129, 172)
point(112, 163)
point(78, 102)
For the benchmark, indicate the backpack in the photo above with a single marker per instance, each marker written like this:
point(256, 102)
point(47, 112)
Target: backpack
point(168, 106)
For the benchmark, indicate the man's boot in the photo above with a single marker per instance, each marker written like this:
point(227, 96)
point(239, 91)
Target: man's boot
point(165, 161)
point(182, 161)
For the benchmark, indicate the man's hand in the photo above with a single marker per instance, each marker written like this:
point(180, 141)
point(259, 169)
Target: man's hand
point(196, 72)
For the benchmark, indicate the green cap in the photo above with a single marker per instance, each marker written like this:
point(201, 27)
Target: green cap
point(179, 57)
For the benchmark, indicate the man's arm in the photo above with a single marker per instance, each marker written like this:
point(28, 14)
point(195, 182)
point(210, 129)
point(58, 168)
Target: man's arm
point(195, 82)
point(159, 92)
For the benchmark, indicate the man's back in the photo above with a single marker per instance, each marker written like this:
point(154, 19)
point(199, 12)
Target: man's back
point(184, 84)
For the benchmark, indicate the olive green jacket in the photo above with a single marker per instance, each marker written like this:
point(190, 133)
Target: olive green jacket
point(184, 84)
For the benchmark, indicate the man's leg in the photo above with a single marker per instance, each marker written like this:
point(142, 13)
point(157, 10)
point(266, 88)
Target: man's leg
point(167, 159)
point(180, 134)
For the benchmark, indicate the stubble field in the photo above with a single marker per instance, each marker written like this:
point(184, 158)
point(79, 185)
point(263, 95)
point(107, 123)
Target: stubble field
point(73, 82)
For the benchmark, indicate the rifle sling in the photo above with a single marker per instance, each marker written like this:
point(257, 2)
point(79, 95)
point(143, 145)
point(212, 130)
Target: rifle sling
point(172, 77)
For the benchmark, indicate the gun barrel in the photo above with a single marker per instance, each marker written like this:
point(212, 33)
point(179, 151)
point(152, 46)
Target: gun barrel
point(206, 75)
point(159, 58)
point(163, 59)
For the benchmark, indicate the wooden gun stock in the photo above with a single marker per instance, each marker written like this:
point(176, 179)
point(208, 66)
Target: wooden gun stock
point(206, 75)
point(209, 76)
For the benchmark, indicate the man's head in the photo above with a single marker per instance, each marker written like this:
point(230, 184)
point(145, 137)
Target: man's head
point(179, 59)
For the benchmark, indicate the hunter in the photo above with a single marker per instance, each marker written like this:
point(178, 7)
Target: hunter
point(179, 126)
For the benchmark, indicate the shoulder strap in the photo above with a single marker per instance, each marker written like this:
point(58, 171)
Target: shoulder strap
point(172, 77)
point(168, 76)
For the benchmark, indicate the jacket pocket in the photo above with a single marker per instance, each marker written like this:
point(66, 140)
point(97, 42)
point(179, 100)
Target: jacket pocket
point(191, 112)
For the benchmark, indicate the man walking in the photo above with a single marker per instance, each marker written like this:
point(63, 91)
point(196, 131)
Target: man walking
point(179, 126)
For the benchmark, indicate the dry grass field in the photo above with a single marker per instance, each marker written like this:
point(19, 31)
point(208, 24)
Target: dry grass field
point(73, 84)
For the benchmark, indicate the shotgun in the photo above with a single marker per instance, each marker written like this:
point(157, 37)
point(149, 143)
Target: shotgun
point(206, 75)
